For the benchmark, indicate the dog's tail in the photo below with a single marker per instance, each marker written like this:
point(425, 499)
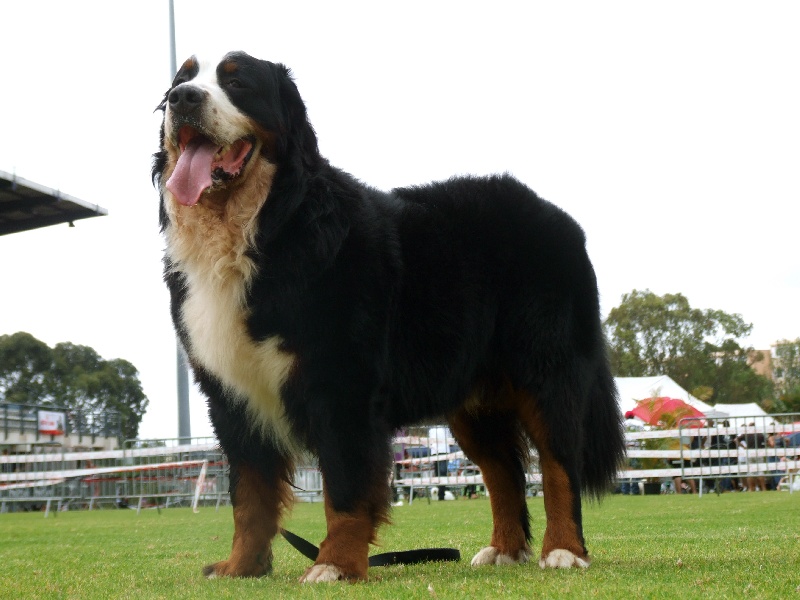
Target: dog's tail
point(604, 436)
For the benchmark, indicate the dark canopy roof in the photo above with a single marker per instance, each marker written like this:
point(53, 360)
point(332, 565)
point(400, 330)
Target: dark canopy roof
point(27, 205)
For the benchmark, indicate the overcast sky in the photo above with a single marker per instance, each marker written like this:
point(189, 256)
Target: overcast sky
point(669, 130)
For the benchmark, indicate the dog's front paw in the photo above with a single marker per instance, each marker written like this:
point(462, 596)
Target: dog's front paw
point(322, 573)
point(492, 556)
point(228, 568)
point(562, 559)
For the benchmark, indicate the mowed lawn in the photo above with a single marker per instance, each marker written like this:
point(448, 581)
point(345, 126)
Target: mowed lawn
point(744, 545)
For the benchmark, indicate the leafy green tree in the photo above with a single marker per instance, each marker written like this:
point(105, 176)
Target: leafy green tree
point(787, 375)
point(24, 360)
point(700, 349)
point(70, 376)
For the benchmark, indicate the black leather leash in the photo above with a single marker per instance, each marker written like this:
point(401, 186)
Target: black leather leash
point(406, 557)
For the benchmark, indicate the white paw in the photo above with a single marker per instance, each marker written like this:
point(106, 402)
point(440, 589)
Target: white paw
point(492, 556)
point(321, 573)
point(562, 559)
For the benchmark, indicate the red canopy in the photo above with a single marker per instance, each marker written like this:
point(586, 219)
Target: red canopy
point(664, 411)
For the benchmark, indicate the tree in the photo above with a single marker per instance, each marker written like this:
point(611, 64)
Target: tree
point(73, 377)
point(787, 375)
point(23, 362)
point(700, 349)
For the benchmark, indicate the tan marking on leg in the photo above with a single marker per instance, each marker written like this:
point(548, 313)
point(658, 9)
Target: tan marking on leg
point(561, 532)
point(256, 515)
point(507, 500)
point(343, 552)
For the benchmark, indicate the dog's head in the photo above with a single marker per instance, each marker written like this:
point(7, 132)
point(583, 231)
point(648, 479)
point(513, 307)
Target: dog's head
point(221, 118)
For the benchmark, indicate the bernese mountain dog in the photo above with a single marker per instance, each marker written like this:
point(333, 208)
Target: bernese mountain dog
point(321, 315)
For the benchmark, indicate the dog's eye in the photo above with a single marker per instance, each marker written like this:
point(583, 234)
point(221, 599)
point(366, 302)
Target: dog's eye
point(234, 83)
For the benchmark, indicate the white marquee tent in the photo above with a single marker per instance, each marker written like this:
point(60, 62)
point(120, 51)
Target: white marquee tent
point(633, 389)
point(740, 411)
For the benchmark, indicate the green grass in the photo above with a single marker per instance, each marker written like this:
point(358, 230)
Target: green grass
point(729, 546)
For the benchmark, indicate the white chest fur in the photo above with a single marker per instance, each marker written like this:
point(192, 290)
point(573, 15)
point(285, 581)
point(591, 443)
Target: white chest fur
point(209, 247)
point(214, 317)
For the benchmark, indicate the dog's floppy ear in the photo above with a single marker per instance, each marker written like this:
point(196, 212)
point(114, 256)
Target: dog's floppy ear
point(297, 154)
point(300, 137)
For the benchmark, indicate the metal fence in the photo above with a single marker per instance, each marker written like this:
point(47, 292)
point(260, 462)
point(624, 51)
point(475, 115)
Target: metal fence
point(164, 473)
point(743, 452)
point(172, 472)
point(761, 450)
point(154, 473)
point(175, 472)
point(432, 461)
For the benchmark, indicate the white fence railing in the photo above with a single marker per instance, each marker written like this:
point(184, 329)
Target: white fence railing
point(167, 472)
point(758, 446)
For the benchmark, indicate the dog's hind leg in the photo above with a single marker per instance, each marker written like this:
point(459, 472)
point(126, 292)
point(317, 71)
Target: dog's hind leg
point(495, 443)
point(259, 496)
point(563, 543)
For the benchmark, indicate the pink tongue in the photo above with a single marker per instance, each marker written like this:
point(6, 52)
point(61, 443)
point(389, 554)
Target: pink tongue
point(192, 174)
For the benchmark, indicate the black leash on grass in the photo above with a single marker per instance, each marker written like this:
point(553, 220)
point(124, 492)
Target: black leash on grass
point(406, 557)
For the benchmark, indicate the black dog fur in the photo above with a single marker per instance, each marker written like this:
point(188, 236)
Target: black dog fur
point(470, 301)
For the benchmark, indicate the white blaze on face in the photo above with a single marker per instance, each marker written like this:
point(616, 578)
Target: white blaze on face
point(217, 138)
point(221, 117)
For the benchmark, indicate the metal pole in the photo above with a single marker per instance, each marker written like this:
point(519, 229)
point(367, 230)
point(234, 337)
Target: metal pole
point(173, 64)
point(184, 421)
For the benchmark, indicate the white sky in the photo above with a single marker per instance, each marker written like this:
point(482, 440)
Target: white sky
point(669, 130)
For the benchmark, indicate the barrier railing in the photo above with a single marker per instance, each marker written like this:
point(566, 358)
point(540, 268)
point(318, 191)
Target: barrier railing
point(144, 474)
point(172, 472)
point(717, 450)
point(423, 463)
point(151, 473)
point(164, 473)
point(757, 448)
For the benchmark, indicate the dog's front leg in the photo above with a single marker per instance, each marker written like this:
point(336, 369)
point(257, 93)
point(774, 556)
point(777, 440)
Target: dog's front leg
point(259, 497)
point(343, 553)
point(356, 503)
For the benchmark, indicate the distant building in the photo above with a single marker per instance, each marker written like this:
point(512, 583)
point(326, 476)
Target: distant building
point(23, 427)
point(762, 362)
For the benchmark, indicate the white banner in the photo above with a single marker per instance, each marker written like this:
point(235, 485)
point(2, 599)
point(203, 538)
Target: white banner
point(52, 423)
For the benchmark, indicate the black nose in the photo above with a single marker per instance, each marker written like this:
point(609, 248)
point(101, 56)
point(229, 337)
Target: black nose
point(185, 99)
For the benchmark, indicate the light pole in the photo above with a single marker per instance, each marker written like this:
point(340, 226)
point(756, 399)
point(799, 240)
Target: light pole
point(184, 421)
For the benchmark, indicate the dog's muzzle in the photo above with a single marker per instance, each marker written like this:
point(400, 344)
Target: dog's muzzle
point(204, 161)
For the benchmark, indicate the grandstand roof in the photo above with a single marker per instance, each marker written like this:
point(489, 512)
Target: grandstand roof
point(26, 205)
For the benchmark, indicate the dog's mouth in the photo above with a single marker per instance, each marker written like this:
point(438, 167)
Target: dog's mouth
point(204, 163)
